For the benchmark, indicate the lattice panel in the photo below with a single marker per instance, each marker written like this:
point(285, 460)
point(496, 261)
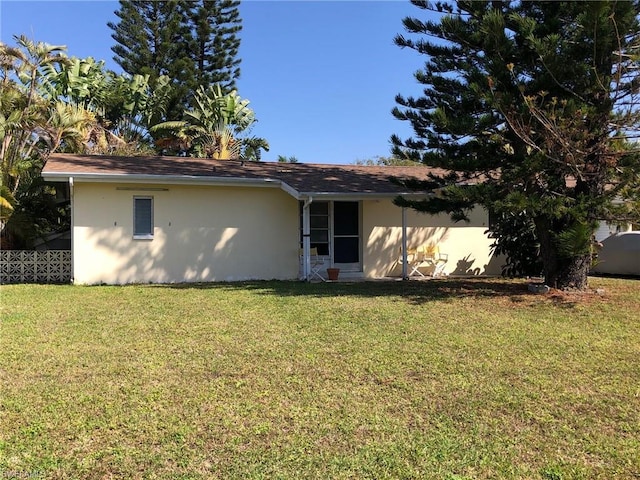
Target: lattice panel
point(29, 266)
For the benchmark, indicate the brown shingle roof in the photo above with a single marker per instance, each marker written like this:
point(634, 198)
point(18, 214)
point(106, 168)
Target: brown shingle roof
point(302, 177)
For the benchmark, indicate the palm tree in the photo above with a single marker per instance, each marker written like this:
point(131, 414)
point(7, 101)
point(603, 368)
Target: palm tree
point(32, 125)
point(252, 148)
point(22, 108)
point(50, 103)
point(212, 128)
point(6, 205)
point(19, 115)
point(285, 159)
point(123, 106)
point(33, 57)
point(67, 126)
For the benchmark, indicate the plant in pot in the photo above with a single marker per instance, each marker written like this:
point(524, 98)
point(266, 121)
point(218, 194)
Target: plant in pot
point(332, 273)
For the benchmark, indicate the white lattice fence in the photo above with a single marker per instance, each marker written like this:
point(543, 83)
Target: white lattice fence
point(30, 266)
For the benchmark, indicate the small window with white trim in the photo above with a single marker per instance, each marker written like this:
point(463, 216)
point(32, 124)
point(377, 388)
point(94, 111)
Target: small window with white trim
point(143, 218)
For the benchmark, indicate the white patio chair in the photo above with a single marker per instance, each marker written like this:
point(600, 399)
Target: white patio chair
point(432, 257)
point(414, 260)
point(316, 263)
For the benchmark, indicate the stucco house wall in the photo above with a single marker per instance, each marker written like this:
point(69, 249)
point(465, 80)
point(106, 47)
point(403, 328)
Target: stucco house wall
point(466, 244)
point(235, 220)
point(201, 233)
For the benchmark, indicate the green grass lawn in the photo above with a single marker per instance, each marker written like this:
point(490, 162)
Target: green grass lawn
point(466, 379)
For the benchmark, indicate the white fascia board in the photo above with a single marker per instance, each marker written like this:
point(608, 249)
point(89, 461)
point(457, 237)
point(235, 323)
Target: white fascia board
point(163, 179)
point(290, 190)
point(56, 177)
point(359, 196)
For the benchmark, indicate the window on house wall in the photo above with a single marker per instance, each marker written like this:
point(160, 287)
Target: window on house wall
point(143, 217)
point(319, 225)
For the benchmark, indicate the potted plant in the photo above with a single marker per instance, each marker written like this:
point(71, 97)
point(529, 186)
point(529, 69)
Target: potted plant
point(332, 273)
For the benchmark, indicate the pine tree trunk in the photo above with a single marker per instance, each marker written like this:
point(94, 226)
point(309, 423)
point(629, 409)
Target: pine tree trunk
point(568, 273)
point(563, 273)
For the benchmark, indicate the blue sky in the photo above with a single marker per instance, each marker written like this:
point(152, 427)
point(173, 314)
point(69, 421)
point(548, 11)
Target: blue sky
point(321, 75)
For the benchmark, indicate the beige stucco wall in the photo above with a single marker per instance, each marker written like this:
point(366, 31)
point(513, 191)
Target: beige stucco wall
point(201, 234)
point(204, 233)
point(466, 244)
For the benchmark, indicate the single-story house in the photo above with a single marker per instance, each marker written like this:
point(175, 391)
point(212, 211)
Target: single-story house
point(183, 219)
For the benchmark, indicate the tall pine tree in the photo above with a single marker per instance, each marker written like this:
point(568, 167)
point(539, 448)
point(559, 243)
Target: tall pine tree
point(216, 24)
point(533, 109)
point(194, 43)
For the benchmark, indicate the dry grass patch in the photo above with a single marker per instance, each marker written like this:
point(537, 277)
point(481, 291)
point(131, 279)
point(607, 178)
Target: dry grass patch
point(445, 379)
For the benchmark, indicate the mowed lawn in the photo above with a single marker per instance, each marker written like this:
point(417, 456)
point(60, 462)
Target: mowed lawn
point(445, 379)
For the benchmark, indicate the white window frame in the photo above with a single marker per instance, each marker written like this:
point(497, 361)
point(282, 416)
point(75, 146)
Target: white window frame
point(146, 235)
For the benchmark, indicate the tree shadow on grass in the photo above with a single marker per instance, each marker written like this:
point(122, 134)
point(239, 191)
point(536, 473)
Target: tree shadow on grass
point(417, 292)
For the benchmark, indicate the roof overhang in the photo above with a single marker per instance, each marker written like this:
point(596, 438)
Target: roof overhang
point(122, 178)
point(159, 179)
point(360, 195)
point(168, 180)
